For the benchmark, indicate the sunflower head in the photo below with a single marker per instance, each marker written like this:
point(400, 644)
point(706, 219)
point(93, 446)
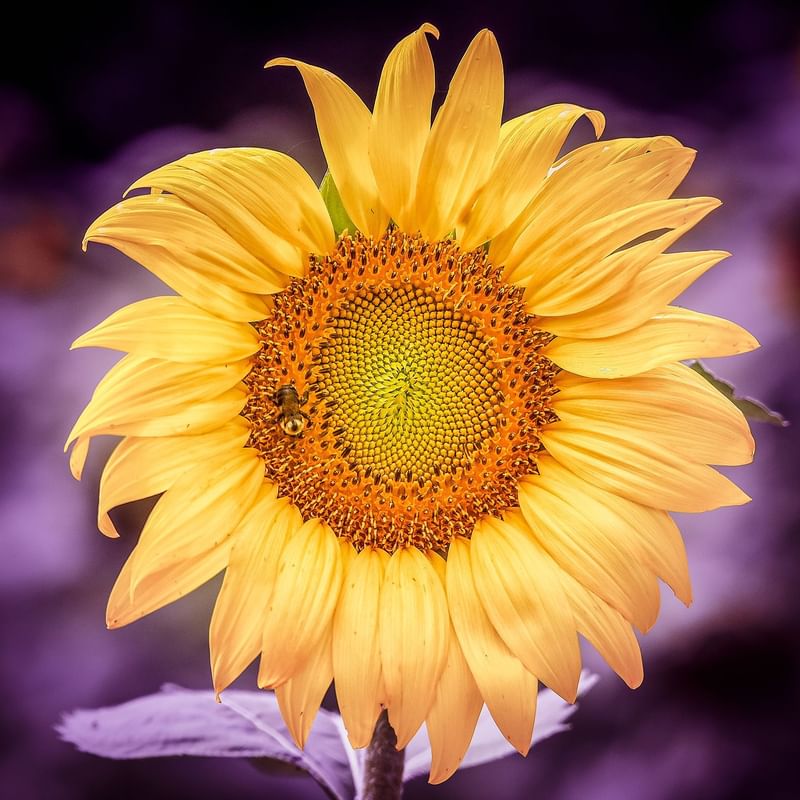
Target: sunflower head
point(432, 432)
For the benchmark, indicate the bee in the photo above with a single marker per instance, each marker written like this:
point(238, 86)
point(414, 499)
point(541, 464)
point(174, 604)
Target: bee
point(291, 419)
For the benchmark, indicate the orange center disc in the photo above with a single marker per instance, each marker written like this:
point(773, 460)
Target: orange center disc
point(419, 389)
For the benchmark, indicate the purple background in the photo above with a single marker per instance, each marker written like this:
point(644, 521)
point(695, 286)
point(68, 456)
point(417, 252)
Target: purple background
point(93, 99)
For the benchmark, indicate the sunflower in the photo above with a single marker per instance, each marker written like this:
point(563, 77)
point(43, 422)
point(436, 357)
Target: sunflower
point(431, 420)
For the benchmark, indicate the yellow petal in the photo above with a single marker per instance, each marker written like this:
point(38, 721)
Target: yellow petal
point(77, 458)
point(413, 635)
point(343, 122)
point(162, 587)
point(189, 419)
point(140, 389)
point(582, 539)
point(453, 715)
point(200, 205)
point(202, 508)
point(190, 253)
point(135, 596)
point(140, 468)
point(664, 405)
point(619, 186)
point(528, 146)
point(642, 297)
point(587, 267)
point(523, 598)
point(662, 547)
point(639, 470)
point(264, 199)
point(562, 193)
point(672, 335)
point(302, 604)
point(463, 140)
point(401, 122)
point(172, 329)
point(606, 630)
point(508, 689)
point(348, 555)
point(238, 620)
point(300, 697)
point(647, 535)
point(356, 651)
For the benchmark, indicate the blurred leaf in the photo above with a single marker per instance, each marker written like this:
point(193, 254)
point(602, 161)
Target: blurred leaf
point(333, 202)
point(488, 744)
point(182, 722)
point(752, 409)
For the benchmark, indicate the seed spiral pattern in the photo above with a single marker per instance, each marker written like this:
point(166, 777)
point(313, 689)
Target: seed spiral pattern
point(414, 394)
point(426, 391)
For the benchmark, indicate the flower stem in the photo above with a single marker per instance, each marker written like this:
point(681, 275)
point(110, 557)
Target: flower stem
point(383, 767)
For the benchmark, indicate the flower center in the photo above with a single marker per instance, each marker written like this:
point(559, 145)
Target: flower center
point(408, 384)
point(399, 391)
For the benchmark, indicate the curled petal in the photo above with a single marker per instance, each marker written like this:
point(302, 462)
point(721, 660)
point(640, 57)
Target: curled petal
point(588, 266)
point(344, 122)
point(567, 196)
point(528, 146)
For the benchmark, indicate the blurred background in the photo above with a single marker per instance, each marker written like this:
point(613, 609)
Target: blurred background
point(91, 99)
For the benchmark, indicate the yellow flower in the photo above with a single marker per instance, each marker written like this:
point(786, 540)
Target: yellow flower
point(433, 451)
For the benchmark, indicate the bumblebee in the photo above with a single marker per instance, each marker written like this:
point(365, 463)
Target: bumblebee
point(291, 418)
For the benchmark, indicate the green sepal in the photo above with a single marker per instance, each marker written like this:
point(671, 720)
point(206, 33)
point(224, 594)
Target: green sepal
point(333, 202)
point(752, 409)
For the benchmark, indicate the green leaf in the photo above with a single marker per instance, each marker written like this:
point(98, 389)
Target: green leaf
point(752, 409)
point(333, 202)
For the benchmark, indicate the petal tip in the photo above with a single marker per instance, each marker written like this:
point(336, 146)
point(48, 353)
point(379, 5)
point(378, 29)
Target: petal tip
point(751, 342)
point(281, 61)
point(137, 184)
point(598, 120)
point(440, 775)
point(634, 681)
point(685, 597)
point(106, 527)
point(487, 38)
point(522, 746)
point(80, 341)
